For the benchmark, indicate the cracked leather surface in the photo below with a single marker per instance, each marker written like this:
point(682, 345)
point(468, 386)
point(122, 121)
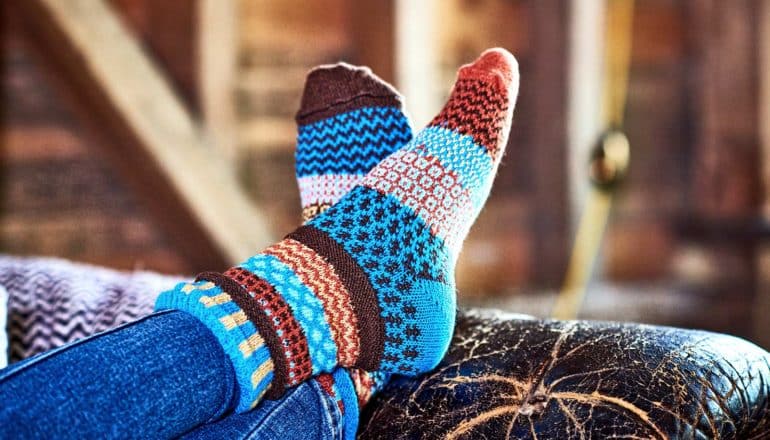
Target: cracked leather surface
point(508, 376)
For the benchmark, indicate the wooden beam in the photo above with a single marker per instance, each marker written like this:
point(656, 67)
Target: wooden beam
point(167, 30)
point(127, 102)
point(217, 54)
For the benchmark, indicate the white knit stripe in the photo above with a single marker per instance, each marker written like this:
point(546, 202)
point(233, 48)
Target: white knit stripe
point(326, 188)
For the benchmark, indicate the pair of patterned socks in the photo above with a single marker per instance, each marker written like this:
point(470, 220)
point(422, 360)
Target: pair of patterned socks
point(369, 282)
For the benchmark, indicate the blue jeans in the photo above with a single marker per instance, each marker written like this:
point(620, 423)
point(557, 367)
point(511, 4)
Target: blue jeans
point(162, 376)
point(305, 412)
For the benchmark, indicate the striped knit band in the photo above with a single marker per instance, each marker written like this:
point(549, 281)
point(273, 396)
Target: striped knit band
point(293, 348)
point(304, 304)
point(362, 295)
point(326, 188)
point(350, 143)
point(322, 279)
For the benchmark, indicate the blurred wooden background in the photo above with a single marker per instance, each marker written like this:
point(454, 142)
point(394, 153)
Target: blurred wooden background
point(689, 223)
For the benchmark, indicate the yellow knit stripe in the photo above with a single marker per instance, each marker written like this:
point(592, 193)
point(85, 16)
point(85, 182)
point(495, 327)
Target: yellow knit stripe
point(258, 399)
point(251, 344)
point(234, 320)
point(210, 301)
point(259, 374)
point(189, 287)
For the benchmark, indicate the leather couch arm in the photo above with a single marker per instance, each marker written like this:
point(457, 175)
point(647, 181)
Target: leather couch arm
point(517, 377)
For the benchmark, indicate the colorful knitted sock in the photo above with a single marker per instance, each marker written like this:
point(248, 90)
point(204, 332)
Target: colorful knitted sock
point(368, 283)
point(348, 121)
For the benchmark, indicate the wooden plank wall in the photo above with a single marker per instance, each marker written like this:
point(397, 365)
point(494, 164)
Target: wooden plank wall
point(685, 215)
point(58, 196)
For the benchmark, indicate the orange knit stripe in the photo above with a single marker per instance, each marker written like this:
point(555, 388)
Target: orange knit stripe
point(322, 279)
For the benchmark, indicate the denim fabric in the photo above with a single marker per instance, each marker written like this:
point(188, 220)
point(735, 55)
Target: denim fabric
point(346, 391)
point(305, 412)
point(157, 377)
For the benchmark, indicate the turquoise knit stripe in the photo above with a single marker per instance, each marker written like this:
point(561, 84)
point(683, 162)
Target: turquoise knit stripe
point(346, 391)
point(305, 306)
point(193, 298)
point(379, 380)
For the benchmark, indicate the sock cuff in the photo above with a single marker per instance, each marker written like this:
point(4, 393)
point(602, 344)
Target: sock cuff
point(263, 325)
point(241, 341)
point(338, 88)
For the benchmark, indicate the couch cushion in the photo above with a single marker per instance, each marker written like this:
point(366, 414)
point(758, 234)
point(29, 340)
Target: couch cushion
point(506, 377)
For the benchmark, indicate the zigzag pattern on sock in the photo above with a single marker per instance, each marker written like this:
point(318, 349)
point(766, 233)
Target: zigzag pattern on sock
point(352, 142)
point(321, 278)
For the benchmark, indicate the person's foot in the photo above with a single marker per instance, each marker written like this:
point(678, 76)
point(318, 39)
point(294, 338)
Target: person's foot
point(370, 282)
point(348, 121)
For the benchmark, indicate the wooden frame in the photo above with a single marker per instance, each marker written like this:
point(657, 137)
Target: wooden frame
point(146, 130)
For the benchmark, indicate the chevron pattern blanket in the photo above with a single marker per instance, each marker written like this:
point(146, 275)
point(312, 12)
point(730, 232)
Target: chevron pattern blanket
point(52, 302)
point(3, 335)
